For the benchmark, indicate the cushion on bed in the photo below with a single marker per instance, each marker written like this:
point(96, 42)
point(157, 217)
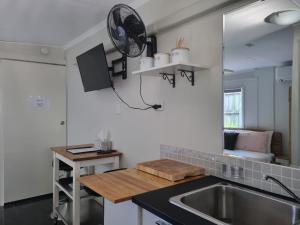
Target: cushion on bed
point(269, 144)
point(230, 139)
point(253, 141)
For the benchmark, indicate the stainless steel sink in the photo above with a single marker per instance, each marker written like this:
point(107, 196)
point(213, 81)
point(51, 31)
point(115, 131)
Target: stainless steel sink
point(228, 204)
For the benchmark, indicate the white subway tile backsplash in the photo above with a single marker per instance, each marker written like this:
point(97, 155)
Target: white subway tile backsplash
point(248, 173)
point(286, 172)
point(266, 186)
point(296, 191)
point(296, 184)
point(256, 166)
point(276, 189)
point(287, 181)
point(248, 182)
point(257, 175)
point(276, 170)
point(248, 164)
point(256, 183)
point(277, 177)
point(241, 163)
point(252, 174)
point(295, 174)
point(266, 168)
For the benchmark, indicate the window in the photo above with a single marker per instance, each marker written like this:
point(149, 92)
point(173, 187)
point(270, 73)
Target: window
point(233, 108)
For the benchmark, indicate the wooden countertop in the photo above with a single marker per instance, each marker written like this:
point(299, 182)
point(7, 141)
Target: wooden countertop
point(62, 150)
point(122, 185)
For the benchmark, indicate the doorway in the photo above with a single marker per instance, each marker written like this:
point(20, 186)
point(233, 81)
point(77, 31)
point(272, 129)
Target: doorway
point(33, 115)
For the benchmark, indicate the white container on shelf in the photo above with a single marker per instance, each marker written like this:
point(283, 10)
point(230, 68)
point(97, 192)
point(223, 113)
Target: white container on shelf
point(180, 55)
point(161, 59)
point(146, 63)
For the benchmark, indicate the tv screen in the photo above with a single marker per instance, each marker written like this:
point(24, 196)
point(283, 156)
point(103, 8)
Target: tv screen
point(94, 69)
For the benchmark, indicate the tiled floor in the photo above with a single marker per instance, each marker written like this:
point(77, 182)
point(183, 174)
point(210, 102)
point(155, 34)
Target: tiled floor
point(36, 212)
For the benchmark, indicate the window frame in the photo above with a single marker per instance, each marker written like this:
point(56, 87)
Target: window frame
point(233, 90)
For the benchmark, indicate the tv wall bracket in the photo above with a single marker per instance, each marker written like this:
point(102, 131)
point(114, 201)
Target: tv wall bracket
point(123, 71)
point(190, 76)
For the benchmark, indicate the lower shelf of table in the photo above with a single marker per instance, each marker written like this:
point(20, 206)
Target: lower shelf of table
point(66, 185)
point(91, 212)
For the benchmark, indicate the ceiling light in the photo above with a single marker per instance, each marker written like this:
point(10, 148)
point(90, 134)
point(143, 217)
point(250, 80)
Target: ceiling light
point(286, 17)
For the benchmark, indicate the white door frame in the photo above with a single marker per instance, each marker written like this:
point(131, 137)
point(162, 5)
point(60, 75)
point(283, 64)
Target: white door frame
point(1, 171)
point(38, 183)
point(1, 149)
point(296, 100)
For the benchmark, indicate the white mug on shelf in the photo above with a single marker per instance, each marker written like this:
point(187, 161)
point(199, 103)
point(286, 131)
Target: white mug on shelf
point(161, 59)
point(146, 63)
point(180, 55)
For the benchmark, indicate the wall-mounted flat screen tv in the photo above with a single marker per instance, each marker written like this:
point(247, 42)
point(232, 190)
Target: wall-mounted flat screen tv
point(94, 69)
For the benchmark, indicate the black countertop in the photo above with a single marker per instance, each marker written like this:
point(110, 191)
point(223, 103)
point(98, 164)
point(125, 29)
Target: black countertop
point(157, 202)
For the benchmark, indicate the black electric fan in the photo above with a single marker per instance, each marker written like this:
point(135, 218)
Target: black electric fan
point(128, 33)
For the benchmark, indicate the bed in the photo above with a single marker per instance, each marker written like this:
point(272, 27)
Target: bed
point(275, 148)
point(249, 155)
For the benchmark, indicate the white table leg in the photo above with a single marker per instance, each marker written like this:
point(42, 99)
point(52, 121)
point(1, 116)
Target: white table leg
point(76, 194)
point(116, 164)
point(91, 170)
point(55, 188)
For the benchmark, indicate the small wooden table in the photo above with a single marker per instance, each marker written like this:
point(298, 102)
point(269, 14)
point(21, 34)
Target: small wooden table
point(77, 161)
point(119, 187)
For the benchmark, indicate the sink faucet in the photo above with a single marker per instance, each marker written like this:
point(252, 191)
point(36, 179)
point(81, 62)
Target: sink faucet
point(292, 194)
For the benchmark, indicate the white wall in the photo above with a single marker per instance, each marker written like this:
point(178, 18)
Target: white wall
point(189, 119)
point(135, 133)
point(192, 116)
point(281, 107)
point(266, 97)
point(266, 100)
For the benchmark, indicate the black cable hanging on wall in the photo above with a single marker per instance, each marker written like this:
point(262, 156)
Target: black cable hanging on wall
point(149, 106)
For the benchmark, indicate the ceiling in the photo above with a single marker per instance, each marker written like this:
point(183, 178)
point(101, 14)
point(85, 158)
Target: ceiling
point(270, 45)
point(275, 49)
point(50, 22)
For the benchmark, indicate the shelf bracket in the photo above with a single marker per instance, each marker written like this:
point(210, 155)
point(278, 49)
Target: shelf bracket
point(189, 75)
point(170, 77)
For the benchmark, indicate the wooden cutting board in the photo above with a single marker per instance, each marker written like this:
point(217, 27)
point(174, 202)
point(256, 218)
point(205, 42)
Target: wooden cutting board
point(170, 169)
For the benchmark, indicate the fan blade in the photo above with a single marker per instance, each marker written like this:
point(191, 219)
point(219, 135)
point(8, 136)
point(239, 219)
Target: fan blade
point(117, 16)
point(138, 41)
point(114, 33)
point(122, 44)
point(133, 26)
